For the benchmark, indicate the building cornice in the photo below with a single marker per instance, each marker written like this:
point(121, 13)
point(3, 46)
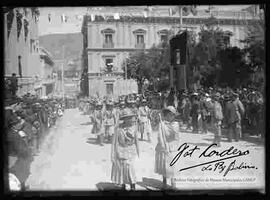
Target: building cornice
point(168, 20)
point(115, 49)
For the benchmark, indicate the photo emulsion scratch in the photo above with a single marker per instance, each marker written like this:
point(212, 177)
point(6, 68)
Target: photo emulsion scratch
point(134, 98)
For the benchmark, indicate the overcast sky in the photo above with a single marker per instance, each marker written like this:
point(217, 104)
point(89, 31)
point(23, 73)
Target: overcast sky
point(73, 24)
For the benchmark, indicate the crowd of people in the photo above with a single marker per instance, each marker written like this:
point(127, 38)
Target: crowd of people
point(130, 118)
point(124, 121)
point(27, 122)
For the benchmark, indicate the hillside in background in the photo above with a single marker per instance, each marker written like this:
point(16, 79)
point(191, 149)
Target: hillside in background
point(53, 43)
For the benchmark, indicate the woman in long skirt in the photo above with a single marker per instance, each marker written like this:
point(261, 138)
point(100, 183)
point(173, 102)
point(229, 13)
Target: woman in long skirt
point(168, 143)
point(124, 150)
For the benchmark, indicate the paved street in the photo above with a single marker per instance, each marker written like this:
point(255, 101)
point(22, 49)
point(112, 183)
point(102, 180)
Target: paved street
point(70, 160)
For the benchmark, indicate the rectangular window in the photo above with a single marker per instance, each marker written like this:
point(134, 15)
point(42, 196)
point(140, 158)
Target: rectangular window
point(108, 38)
point(109, 89)
point(140, 39)
point(109, 64)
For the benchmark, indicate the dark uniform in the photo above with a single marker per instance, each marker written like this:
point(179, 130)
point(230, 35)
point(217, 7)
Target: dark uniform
point(217, 118)
point(233, 112)
point(195, 111)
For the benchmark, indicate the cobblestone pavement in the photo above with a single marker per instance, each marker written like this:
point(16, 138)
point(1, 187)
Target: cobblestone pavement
point(70, 160)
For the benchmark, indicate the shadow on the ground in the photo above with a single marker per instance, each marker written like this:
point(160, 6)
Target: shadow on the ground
point(86, 123)
point(107, 186)
point(153, 184)
point(92, 141)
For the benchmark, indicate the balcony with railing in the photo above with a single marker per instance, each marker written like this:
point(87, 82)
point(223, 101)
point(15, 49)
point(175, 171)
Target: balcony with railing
point(140, 46)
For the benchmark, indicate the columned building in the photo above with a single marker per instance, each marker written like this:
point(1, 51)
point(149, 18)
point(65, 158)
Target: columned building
point(110, 34)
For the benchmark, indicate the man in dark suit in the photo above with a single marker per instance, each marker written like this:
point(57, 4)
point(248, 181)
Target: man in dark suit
point(234, 112)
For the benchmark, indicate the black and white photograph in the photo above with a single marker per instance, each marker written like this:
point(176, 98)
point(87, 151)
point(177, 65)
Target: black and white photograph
point(134, 98)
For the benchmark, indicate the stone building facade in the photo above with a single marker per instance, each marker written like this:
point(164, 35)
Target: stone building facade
point(110, 34)
point(22, 48)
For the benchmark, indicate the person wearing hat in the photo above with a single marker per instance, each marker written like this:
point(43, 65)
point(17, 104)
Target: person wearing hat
point(120, 109)
point(98, 127)
point(18, 149)
point(206, 110)
point(109, 121)
point(144, 123)
point(168, 143)
point(133, 108)
point(195, 112)
point(233, 112)
point(125, 148)
point(186, 108)
point(217, 118)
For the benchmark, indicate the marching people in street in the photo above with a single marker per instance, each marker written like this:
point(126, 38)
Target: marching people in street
point(133, 108)
point(168, 143)
point(98, 126)
point(125, 148)
point(109, 121)
point(122, 108)
point(144, 123)
point(217, 118)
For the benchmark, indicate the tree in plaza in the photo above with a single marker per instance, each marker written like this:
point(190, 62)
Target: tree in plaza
point(136, 68)
point(152, 65)
point(204, 59)
point(233, 66)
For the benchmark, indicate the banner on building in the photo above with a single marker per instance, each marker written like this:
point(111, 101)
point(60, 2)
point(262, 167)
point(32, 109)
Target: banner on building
point(25, 29)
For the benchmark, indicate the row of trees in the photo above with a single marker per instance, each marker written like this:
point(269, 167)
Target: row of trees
point(211, 60)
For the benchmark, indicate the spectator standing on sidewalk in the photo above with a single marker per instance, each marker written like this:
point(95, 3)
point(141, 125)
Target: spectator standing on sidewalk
point(233, 111)
point(206, 108)
point(217, 118)
point(195, 112)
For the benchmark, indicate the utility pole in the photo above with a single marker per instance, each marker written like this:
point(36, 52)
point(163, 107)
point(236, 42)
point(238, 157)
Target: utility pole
point(182, 67)
point(126, 75)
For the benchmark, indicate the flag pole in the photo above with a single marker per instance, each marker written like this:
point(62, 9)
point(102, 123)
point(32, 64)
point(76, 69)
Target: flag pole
point(63, 85)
